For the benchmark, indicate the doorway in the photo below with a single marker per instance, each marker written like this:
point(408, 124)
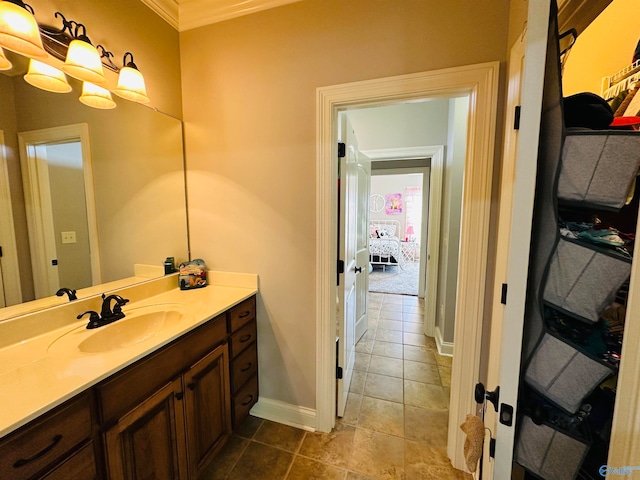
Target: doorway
point(480, 83)
point(62, 227)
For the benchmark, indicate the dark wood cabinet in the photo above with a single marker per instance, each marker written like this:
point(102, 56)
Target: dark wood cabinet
point(164, 417)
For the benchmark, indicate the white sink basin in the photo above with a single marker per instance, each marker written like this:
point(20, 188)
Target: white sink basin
point(139, 325)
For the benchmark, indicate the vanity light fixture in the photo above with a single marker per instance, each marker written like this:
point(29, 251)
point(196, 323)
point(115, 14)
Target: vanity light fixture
point(46, 77)
point(19, 30)
point(83, 60)
point(131, 82)
point(5, 64)
point(97, 97)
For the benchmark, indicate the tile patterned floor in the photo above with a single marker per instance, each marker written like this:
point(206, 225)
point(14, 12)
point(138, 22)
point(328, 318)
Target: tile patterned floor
point(395, 423)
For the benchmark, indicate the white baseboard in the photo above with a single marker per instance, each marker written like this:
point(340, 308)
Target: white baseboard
point(286, 413)
point(444, 348)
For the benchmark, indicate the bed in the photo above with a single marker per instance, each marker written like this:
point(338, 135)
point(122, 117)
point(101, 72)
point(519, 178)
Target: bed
point(384, 244)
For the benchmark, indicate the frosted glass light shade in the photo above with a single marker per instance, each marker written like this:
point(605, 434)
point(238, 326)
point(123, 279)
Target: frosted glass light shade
point(131, 85)
point(5, 64)
point(83, 62)
point(46, 77)
point(19, 31)
point(96, 96)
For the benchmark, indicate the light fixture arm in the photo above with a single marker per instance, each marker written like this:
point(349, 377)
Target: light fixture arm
point(130, 63)
point(106, 55)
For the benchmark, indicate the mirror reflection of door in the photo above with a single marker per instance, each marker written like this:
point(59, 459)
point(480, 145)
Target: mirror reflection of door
point(61, 214)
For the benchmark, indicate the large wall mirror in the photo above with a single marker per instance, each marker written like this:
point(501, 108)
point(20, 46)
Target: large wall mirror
point(91, 193)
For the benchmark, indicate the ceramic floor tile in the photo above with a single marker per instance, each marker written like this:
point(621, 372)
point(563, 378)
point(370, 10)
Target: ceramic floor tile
point(357, 382)
point(306, 469)
point(422, 372)
point(279, 436)
point(369, 335)
point(377, 455)
point(390, 324)
point(425, 463)
point(364, 346)
point(382, 416)
point(445, 375)
point(424, 395)
point(419, 354)
point(391, 299)
point(226, 459)
point(388, 335)
point(412, 317)
point(426, 426)
point(376, 296)
point(249, 427)
point(415, 310)
point(388, 314)
point(362, 361)
point(414, 339)
point(392, 367)
point(332, 448)
point(386, 388)
point(410, 300)
point(444, 360)
point(387, 349)
point(413, 327)
point(357, 476)
point(352, 409)
point(261, 462)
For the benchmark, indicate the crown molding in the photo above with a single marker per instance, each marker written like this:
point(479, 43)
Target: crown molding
point(187, 14)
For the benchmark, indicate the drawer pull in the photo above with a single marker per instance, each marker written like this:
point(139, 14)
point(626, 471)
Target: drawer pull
point(244, 404)
point(244, 314)
point(245, 338)
point(23, 461)
point(248, 367)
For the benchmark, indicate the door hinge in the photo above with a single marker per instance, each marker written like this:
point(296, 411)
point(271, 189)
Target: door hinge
point(0, 251)
point(516, 118)
point(340, 266)
point(492, 447)
point(503, 295)
point(338, 373)
point(342, 150)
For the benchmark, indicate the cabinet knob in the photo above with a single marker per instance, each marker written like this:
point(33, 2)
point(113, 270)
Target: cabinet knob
point(179, 395)
point(191, 385)
point(24, 461)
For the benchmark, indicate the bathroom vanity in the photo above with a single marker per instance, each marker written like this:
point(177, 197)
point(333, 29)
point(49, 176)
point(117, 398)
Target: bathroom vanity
point(160, 407)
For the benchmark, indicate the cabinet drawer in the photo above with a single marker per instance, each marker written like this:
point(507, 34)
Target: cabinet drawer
point(244, 400)
point(242, 313)
point(242, 338)
point(80, 466)
point(243, 367)
point(46, 440)
point(130, 387)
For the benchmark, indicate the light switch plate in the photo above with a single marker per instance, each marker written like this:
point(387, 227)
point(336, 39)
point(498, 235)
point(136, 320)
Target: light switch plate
point(68, 237)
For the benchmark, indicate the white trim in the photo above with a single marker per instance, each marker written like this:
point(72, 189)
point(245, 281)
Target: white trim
point(480, 82)
point(10, 267)
point(401, 153)
point(285, 413)
point(444, 348)
point(39, 239)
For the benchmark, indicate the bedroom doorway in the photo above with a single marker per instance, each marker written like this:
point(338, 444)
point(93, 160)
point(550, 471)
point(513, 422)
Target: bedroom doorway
point(396, 229)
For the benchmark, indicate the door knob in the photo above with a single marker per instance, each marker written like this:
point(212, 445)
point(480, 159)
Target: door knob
point(481, 394)
point(357, 269)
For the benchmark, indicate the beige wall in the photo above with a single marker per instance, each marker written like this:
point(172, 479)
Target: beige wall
point(249, 91)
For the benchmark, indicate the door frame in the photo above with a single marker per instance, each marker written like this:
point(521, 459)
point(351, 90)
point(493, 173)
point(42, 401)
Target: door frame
point(10, 268)
point(432, 205)
point(480, 82)
point(38, 201)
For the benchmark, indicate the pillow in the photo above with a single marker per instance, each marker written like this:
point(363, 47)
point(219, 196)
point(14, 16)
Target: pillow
point(389, 230)
point(373, 231)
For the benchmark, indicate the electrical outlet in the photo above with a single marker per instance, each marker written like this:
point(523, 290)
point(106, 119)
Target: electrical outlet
point(68, 237)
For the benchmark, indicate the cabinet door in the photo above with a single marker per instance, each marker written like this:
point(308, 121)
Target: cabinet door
point(207, 408)
point(148, 442)
point(79, 466)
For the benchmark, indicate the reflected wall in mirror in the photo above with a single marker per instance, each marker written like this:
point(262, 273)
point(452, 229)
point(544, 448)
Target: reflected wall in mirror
point(137, 179)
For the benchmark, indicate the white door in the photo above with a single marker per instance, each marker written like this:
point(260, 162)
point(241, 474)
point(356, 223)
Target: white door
point(355, 173)
point(526, 79)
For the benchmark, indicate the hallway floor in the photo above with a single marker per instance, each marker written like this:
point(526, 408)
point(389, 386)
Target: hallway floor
point(395, 423)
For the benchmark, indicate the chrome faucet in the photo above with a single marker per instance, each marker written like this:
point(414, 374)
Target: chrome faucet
point(107, 315)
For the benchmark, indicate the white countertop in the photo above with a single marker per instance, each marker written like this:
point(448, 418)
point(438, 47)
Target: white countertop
point(36, 378)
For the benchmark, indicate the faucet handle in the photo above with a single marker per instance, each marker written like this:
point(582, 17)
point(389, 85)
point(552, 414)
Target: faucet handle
point(94, 318)
point(117, 308)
